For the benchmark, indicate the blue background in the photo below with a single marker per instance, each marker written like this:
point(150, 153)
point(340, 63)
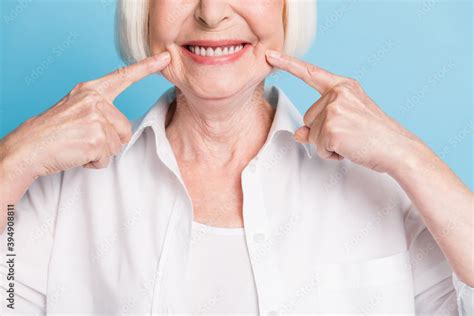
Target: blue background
point(414, 58)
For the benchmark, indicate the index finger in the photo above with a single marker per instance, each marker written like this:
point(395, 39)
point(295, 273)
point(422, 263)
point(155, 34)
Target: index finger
point(318, 78)
point(111, 85)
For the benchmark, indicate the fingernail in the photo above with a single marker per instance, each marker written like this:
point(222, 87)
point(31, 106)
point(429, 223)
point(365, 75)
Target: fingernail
point(301, 135)
point(273, 53)
point(299, 138)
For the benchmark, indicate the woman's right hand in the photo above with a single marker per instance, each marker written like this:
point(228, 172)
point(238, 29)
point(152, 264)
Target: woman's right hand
point(83, 129)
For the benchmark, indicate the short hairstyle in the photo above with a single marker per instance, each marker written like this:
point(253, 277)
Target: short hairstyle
point(299, 19)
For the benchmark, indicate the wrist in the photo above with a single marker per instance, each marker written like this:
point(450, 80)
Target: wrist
point(16, 175)
point(413, 158)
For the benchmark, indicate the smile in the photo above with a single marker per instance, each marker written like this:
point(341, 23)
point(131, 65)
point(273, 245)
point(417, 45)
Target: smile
point(215, 52)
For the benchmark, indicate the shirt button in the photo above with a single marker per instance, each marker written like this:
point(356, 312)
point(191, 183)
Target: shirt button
point(259, 237)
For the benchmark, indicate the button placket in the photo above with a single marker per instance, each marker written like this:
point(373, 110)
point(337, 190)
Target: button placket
point(255, 227)
point(158, 301)
point(174, 252)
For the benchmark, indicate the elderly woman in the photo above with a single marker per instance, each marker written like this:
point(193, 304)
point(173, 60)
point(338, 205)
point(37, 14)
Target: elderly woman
point(222, 198)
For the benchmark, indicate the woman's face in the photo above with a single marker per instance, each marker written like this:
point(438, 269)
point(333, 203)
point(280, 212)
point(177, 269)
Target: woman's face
point(217, 47)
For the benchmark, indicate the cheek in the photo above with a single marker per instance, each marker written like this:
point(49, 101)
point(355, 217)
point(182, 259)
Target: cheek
point(166, 20)
point(266, 21)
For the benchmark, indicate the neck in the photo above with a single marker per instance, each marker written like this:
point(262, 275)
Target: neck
point(219, 132)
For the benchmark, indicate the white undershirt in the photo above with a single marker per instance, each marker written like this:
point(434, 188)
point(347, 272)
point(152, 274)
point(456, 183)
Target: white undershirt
point(219, 274)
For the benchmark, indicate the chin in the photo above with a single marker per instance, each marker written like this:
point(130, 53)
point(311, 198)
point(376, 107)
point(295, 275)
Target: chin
point(220, 86)
point(216, 89)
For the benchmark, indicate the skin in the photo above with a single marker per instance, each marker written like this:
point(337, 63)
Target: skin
point(220, 120)
point(83, 129)
point(345, 120)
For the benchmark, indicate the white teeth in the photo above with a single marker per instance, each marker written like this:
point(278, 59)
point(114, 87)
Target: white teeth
point(218, 51)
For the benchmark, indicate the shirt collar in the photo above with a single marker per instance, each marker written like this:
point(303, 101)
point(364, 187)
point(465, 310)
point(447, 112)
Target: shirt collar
point(287, 117)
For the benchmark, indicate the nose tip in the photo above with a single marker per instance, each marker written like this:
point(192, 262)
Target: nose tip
point(212, 13)
point(210, 23)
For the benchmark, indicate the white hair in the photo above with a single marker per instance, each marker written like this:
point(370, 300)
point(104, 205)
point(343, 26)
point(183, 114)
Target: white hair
point(132, 28)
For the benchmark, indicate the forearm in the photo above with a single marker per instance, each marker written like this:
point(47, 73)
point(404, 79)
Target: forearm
point(445, 204)
point(14, 181)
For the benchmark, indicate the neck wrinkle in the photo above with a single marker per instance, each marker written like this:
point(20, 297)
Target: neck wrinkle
point(229, 131)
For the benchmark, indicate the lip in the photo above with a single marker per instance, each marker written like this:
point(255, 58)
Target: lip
point(216, 60)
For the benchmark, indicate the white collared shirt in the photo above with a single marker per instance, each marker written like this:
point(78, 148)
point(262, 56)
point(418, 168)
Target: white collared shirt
point(322, 236)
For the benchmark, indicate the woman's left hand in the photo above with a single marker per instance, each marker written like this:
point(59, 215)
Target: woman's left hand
point(345, 122)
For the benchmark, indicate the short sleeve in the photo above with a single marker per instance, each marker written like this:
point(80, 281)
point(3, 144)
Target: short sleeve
point(35, 216)
point(434, 290)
